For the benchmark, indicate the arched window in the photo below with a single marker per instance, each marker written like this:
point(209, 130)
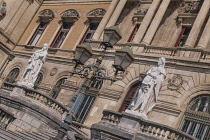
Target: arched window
point(129, 96)
point(85, 98)
point(38, 80)
point(12, 76)
point(196, 120)
point(57, 88)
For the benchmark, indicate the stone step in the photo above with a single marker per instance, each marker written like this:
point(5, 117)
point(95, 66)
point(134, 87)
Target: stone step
point(9, 134)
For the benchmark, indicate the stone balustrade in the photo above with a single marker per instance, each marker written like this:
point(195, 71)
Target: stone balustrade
point(8, 86)
point(5, 118)
point(38, 97)
point(160, 50)
point(130, 125)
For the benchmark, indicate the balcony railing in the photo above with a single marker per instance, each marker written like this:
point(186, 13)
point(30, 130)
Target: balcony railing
point(145, 127)
point(38, 97)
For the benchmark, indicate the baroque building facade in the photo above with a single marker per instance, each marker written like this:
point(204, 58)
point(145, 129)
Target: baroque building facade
point(174, 29)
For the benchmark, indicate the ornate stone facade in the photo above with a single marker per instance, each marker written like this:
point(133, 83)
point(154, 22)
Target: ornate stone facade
point(176, 30)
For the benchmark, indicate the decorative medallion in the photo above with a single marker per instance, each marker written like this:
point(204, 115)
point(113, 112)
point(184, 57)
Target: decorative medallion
point(53, 71)
point(175, 82)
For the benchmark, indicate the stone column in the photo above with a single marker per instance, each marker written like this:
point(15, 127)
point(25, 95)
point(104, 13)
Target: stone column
point(146, 21)
point(105, 20)
point(205, 36)
point(116, 13)
point(192, 38)
point(156, 22)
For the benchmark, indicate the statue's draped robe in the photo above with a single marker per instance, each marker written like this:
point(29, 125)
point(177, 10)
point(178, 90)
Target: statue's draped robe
point(148, 93)
point(34, 66)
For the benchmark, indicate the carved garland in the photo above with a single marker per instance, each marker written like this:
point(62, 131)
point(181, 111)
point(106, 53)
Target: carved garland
point(99, 12)
point(46, 14)
point(70, 14)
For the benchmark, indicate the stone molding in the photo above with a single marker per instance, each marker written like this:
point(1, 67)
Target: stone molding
point(99, 12)
point(46, 15)
point(30, 1)
point(70, 15)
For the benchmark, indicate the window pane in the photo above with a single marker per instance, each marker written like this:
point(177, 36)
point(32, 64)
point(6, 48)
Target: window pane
point(38, 33)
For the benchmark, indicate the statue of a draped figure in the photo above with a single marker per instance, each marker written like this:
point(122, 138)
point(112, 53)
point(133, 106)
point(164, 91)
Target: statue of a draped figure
point(147, 95)
point(3, 10)
point(34, 66)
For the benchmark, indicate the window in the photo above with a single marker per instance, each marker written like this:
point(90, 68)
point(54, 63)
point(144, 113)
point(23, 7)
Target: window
point(182, 37)
point(86, 98)
point(12, 76)
point(61, 35)
point(38, 80)
point(57, 88)
point(89, 32)
point(38, 33)
point(133, 32)
point(196, 121)
point(130, 96)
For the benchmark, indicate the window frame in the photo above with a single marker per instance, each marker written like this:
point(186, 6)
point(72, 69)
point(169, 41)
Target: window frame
point(133, 33)
point(36, 32)
point(58, 33)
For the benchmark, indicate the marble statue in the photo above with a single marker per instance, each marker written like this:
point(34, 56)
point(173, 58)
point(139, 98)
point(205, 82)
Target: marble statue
point(147, 95)
point(3, 10)
point(34, 66)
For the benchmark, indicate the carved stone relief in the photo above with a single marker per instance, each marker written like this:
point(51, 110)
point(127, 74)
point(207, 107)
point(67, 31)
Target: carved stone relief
point(175, 82)
point(53, 71)
point(190, 7)
point(70, 13)
point(3, 10)
point(46, 14)
point(97, 12)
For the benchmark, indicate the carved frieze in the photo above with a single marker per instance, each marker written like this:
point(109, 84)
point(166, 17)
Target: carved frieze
point(175, 82)
point(46, 14)
point(3, 10)
point(99, 12)
point(190, 6)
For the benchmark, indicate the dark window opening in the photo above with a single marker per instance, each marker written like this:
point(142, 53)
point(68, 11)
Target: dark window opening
point(89, 32)
point(57, 88)
point(38, 33)
point(61, 35)
point(182, 37)
point(12, 76)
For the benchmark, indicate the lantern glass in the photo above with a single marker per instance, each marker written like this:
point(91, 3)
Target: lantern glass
point(123, 58)
point(83, 53)
point(111, 36)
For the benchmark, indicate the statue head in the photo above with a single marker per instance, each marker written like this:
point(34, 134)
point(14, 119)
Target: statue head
point(4, 4)
point(161, 61)
point(45, 46)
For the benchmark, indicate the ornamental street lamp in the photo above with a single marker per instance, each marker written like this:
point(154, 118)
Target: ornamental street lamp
point(123, 58)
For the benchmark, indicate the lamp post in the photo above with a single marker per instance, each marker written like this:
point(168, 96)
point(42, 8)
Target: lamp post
point(123, 58)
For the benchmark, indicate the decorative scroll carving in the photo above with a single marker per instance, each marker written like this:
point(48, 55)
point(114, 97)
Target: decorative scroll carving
point(46, 14)
point(3, 10)
point(70, 15)
point(99, 12)
point(175, 82)
point(190, 7)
